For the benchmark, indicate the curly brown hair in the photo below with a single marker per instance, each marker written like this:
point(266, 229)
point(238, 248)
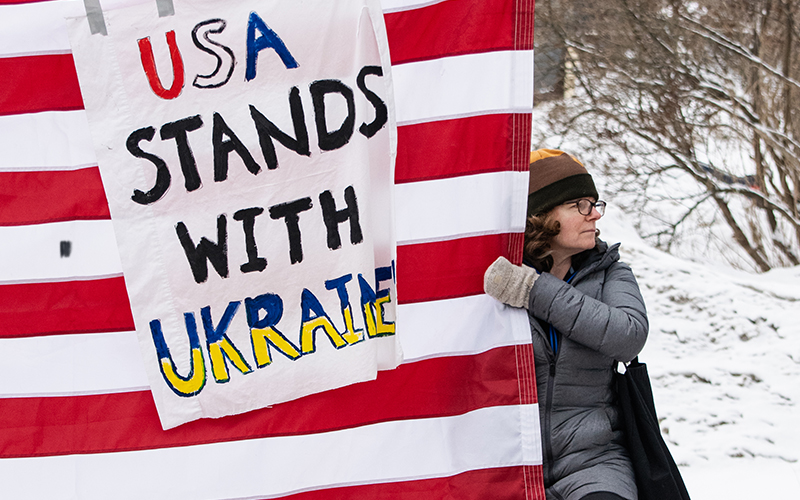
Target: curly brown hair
point(540, 229)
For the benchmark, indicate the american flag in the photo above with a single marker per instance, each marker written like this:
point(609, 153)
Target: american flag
point(458, 419)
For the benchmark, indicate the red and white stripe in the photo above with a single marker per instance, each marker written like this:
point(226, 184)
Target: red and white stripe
point(457, 419)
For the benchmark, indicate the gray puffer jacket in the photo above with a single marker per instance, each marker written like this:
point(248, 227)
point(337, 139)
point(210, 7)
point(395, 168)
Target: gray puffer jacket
point(600, 317)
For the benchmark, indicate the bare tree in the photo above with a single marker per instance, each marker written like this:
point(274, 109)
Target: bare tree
point(696, 93)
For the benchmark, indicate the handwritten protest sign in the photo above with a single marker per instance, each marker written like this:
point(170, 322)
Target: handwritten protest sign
point(246, 150)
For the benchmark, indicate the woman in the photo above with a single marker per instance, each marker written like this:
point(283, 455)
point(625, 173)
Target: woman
point(586, 313)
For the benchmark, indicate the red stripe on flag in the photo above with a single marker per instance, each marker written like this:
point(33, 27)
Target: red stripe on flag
point(524, 25)
point(520, 162)
point(527, 374)
point(534, 481)
point(51, 196)
point(452, 28)
point(521, 142)
point(463, 146)
point(498, 484)
point(38, 83)
point(31, 309)
point(128, 421)
point(446, 269)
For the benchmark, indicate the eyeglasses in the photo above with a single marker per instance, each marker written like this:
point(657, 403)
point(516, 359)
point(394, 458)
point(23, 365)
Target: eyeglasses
point(585, 206)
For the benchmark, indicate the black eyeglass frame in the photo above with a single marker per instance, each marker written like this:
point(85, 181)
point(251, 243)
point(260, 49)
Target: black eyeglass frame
point(585, 206)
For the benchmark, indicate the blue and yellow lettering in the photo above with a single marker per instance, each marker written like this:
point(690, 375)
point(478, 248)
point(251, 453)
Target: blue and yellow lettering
point(266, 39)
point(367, 303)
point(220, 346)
point(372, 304)
point(351, 335)
point(262, 330)
point(382, 326)
point(194, 382)
point(309, 304)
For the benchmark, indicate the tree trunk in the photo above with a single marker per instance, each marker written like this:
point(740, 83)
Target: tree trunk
point(739, 235)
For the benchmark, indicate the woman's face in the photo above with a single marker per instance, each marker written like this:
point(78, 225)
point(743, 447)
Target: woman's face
point(577, 231)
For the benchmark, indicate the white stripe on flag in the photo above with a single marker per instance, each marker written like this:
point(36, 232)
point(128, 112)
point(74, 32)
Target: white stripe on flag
point(531, 434)
point(58, 251)
point(462, 206)
point(468, 85)
point(410, 450)
point(54, 140)
point(466, 325)
point(110, 362)
point(65, 365)
point(36, 28)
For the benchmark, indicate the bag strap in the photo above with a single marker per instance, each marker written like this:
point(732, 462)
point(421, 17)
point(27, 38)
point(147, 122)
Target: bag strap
point(629, 364)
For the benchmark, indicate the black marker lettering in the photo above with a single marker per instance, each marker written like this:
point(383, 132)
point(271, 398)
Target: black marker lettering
point(328, 141)
point(267, 131)
point(289, 213)
point(178, 130)
point(222, 150)
point(216, 253)
point(333, 218)
point(163, 177)
point(248, 218)
point(381, 113)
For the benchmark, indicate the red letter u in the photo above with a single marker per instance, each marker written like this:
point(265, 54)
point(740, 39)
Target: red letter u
point(149, 65)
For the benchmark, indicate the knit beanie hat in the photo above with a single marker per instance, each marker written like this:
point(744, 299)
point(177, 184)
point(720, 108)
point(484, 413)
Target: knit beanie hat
point(556, 177)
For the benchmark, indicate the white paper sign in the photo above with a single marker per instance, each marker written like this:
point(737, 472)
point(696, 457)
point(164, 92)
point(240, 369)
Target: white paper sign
point(247, 153)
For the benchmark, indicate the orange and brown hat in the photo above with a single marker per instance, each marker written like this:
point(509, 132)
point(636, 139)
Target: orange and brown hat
point(556, 177)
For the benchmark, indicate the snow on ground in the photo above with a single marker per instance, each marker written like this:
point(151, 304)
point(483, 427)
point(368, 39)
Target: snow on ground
point(724, 359)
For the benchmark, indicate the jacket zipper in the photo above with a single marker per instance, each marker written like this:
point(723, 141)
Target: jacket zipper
point(552, 356)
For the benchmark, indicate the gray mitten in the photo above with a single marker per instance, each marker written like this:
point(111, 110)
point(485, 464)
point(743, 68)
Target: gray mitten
point(508, 283)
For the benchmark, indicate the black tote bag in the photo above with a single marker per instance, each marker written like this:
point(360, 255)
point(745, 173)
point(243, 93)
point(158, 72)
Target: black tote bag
point(657, 476)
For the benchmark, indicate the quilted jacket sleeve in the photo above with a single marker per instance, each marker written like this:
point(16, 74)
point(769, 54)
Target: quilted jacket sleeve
point(616, 325)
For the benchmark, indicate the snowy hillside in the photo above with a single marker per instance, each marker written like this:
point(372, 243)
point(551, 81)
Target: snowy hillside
point(724, 358)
